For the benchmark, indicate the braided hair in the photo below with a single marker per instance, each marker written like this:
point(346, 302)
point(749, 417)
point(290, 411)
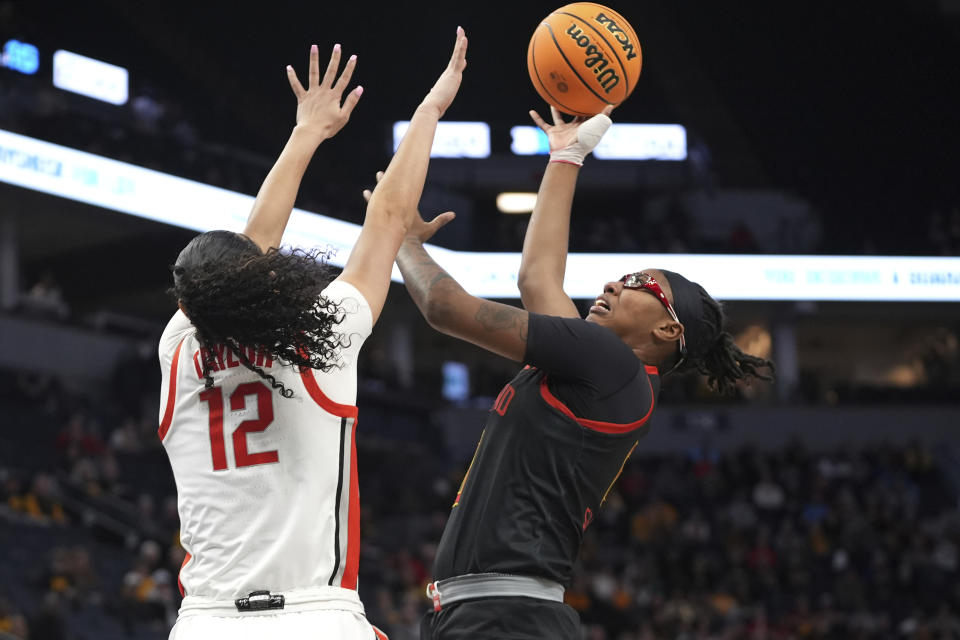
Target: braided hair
point(721, 360)
point(252, 302)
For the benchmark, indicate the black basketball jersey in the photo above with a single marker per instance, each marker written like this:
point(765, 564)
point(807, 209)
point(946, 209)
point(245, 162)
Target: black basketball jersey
point(541, 472)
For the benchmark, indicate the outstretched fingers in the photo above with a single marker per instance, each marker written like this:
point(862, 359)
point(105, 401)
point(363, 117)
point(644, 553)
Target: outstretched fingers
point(313, 79)
point(537, 120)
point(344, 78)
point(429, 229)
point(367, 192)
point(332, 67)
point(441, 220)
point(298, 89)
point(458, 60)
point(352, 99)
point(557, 118)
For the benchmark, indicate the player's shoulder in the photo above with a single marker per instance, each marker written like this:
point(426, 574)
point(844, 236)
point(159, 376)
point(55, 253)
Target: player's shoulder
point(597, 335)
point(343, 293)
point(178, 328)
point(351, 304)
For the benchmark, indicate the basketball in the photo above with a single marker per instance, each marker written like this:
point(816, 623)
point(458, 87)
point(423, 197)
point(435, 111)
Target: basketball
point(583, 57)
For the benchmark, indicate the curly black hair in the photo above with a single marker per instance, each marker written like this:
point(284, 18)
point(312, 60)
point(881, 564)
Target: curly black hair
point(722, 361)
point(250, 301)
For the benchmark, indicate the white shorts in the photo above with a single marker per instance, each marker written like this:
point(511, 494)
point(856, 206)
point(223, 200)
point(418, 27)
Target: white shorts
point(327, 612)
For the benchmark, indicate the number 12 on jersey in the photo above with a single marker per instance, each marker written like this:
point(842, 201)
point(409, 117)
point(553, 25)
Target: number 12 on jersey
point(238, 402)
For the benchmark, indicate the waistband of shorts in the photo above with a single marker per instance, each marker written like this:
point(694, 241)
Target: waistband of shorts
point(491, 585)
point(294, 600)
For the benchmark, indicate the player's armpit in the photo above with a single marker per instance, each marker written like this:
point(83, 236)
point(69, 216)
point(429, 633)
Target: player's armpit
point(550, 301)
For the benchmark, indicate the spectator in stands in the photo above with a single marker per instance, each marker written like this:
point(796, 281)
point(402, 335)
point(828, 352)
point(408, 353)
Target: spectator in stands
point(45, 298)
point(49, 621)
point(84, 474)
point(767, 494)
point(13, 624)
point(127, 437)
point(78, 438)
point(147, 591)
point(56, 578)
point(864, 544)
point(41, 502)
point(10, 491)
point(86, 581)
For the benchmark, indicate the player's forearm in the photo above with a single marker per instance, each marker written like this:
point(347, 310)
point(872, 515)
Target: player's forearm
point(547, 238)
point(277, 195)
point(433, 290)
point(398, 193)
point(498, 328)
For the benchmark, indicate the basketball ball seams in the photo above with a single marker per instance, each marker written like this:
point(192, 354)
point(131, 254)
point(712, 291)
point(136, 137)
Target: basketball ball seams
point(613, 49)
point(533, 57)
point(572, 68)
point(533, 65)
point(609, 49)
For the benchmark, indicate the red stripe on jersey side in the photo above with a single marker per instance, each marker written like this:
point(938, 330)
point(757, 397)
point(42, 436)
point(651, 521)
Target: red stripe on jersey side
point(180, 584)
point(352, 565)
point(339, 410)
point(652, 370)
point(196, 364)
point(171, 395)
point(379, 634)
point(596, 425)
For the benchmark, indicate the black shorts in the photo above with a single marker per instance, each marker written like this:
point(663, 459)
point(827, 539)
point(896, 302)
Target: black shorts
point(502, 619)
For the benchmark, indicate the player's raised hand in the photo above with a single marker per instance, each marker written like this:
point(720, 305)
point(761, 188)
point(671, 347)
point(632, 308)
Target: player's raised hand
point(572, 141)
point(420, 228)
point(447, 85)
point(321, 108)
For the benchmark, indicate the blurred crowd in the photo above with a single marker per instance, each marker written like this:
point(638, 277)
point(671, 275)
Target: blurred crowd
point(89, 537)
point(785, 544)
point(795, 543)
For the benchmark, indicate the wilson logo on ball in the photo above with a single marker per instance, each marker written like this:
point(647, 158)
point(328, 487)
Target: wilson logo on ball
point(607, 78)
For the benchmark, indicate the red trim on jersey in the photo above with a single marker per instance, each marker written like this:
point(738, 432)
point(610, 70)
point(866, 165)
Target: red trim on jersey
point(652, 370)
point(196, 364)
point(380, 634)
point(171, 395)
point(596, 425)
point(186, 559)
point(352, 565)
point(339, 410)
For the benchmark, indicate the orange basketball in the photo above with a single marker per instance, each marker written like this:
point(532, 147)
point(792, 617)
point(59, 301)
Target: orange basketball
point(582, 57)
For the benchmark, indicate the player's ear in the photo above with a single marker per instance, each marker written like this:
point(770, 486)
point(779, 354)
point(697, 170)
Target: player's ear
point(668, 331)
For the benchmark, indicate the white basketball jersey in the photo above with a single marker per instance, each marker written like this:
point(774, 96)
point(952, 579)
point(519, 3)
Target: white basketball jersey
point(267, 485)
